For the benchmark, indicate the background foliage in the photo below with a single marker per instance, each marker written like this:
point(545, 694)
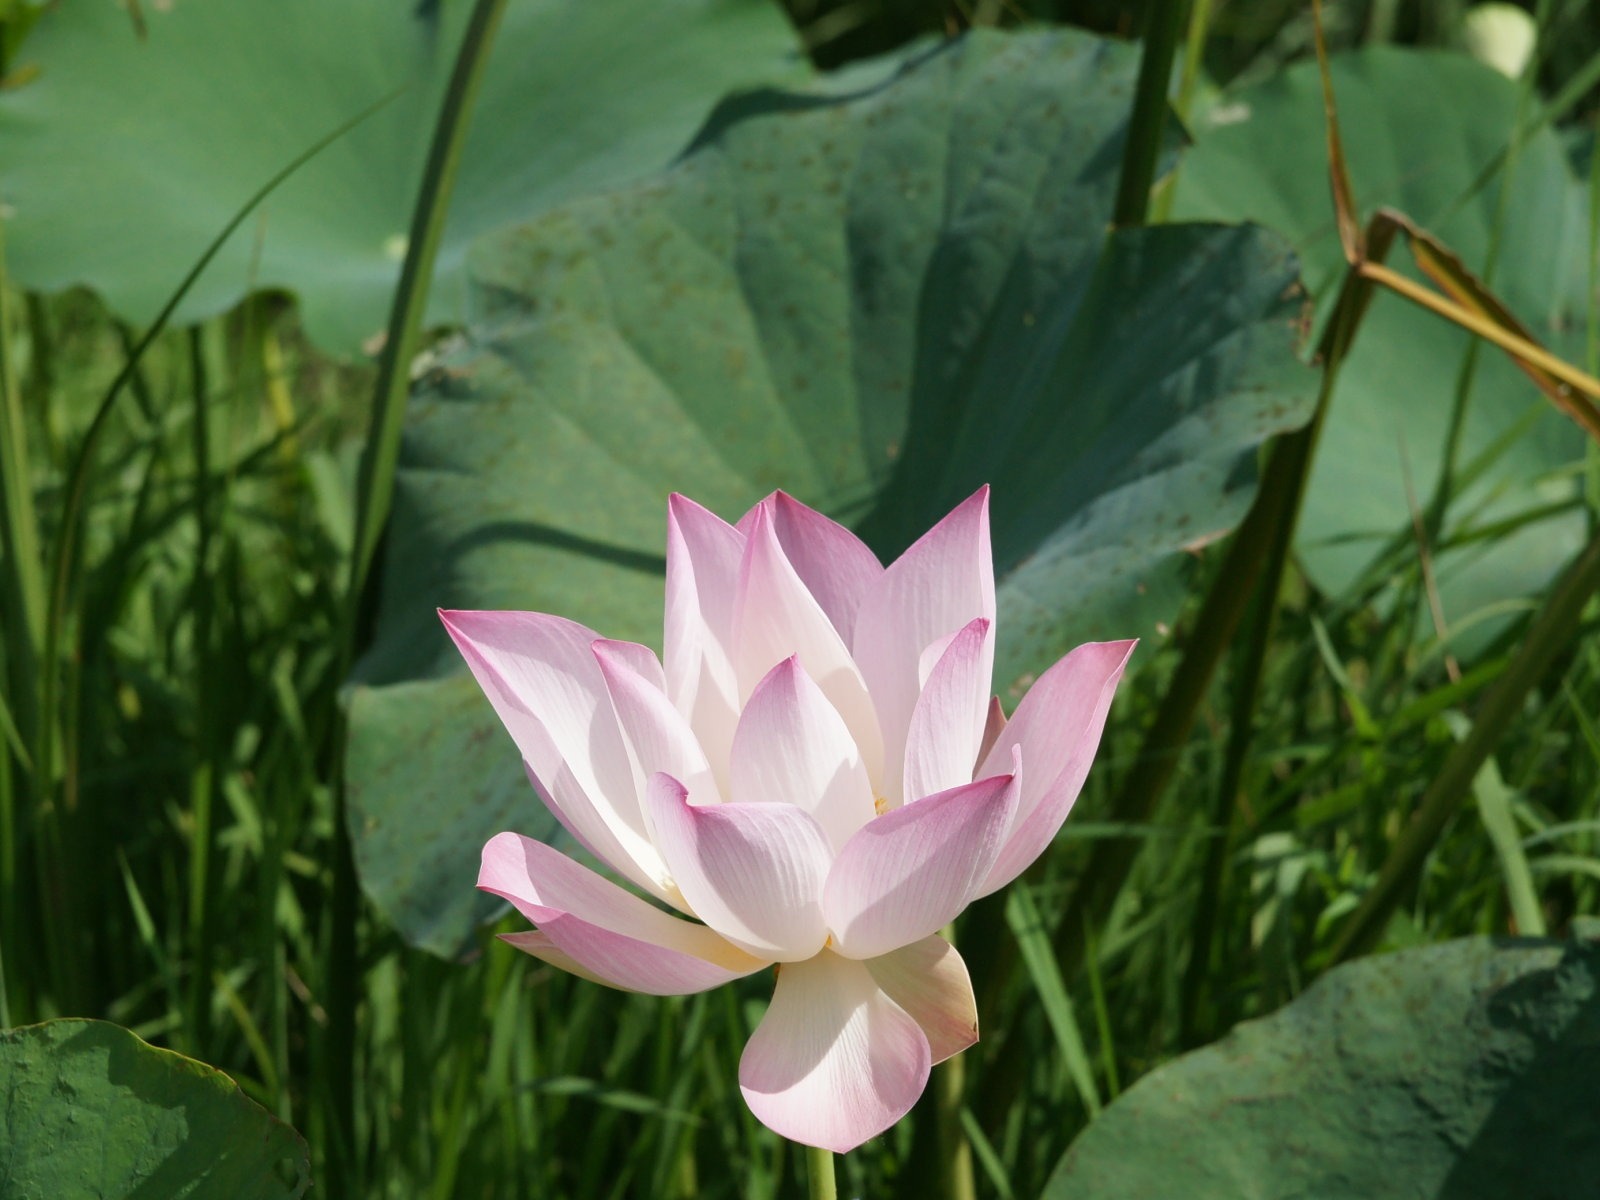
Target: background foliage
point(876, 288)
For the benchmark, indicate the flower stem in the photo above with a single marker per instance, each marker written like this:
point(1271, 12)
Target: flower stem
point(819, 1174)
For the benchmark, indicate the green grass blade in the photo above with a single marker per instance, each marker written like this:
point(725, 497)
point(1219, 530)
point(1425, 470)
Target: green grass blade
point(1022, 914)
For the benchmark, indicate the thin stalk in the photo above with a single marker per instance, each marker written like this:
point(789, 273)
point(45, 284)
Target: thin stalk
point(953, 1179)
point(22, 594)
point(374, 498)
point(1445, 485)
point(1550, 632)
point(1252, 654)
point(819, 1174)
point(204, 784)
point(1147, 124)
point(1511, 343)
point(1194, 49)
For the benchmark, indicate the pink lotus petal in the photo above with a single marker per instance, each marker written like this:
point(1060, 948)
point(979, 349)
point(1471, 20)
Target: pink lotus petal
point(776, 617)
point(929, 980)
point(531, 941)
point(948, 721)
point(703, 556)
point(1058, 727)
point(792, 747)
point(658, 736)
point(615, 937)
point(910, 872)
point(993, 725)
point(834, 1061)
point(937, 586)
point(544, 683)
point(753, 872)
point(835, 565)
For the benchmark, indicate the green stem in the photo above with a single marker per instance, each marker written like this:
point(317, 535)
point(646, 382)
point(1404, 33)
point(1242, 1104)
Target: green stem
point(819, 1174)
point(204, 784)
point(1551, 630)
point(379, 463)
point(1147, 124)
point(954, 1179)
point(22, 595)
point(374, 498)
point(1251, 657)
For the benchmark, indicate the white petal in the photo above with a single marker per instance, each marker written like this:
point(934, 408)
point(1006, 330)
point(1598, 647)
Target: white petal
point(703, 556)
point(776, 617)
point(753, 872)
point(588, 923)
point(835, 565)
point(948, 722)
point(911, 872)
point(929, 980)
point(937, 586)
point(658, 736)
point(540, 675)
point(792, 747)
point(835, 1061)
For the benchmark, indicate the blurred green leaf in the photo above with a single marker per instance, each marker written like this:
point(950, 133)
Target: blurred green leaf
point(123, 155)
point(1464, 1070)
point(1419, 128)
point(876, 302)
point(87, 1109)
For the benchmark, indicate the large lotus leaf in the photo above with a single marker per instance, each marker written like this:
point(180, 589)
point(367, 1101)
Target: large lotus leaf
point(1419, 128)
point(125, 155)
point(87, 1109)
point(877, 303)
point(1463, 1071)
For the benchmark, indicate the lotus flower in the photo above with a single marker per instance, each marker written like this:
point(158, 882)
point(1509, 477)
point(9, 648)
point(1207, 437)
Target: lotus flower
point(817, 773)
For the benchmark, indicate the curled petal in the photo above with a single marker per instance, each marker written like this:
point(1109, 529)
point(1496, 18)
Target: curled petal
point(703, 555)
point(792, 747)
point(658, 735)
point(1057, 726)
point(613, 937)
point(835, 565)
point(834, 1061)
point(910, 872)
point(753, 872)
point(948, 721)
point(775, 617)
point(929, 980)
point(544, 683)
point(937, 586)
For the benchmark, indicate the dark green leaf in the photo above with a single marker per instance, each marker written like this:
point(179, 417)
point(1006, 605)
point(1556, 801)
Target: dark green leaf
point(87, 1109)
point(1464, 1071)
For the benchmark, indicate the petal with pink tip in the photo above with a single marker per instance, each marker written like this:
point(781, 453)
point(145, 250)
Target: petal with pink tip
point(753, 872)
point(540, 675)
point(776, 617)
point(948, 721)
point(929, 980)
point(937, 586)
point(834, 1061)
point(658, 735)
point(703, 556)
point(1057, 726)
point(910, 872)
point(615, 937)
point(792, 747)
point(835, 565)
